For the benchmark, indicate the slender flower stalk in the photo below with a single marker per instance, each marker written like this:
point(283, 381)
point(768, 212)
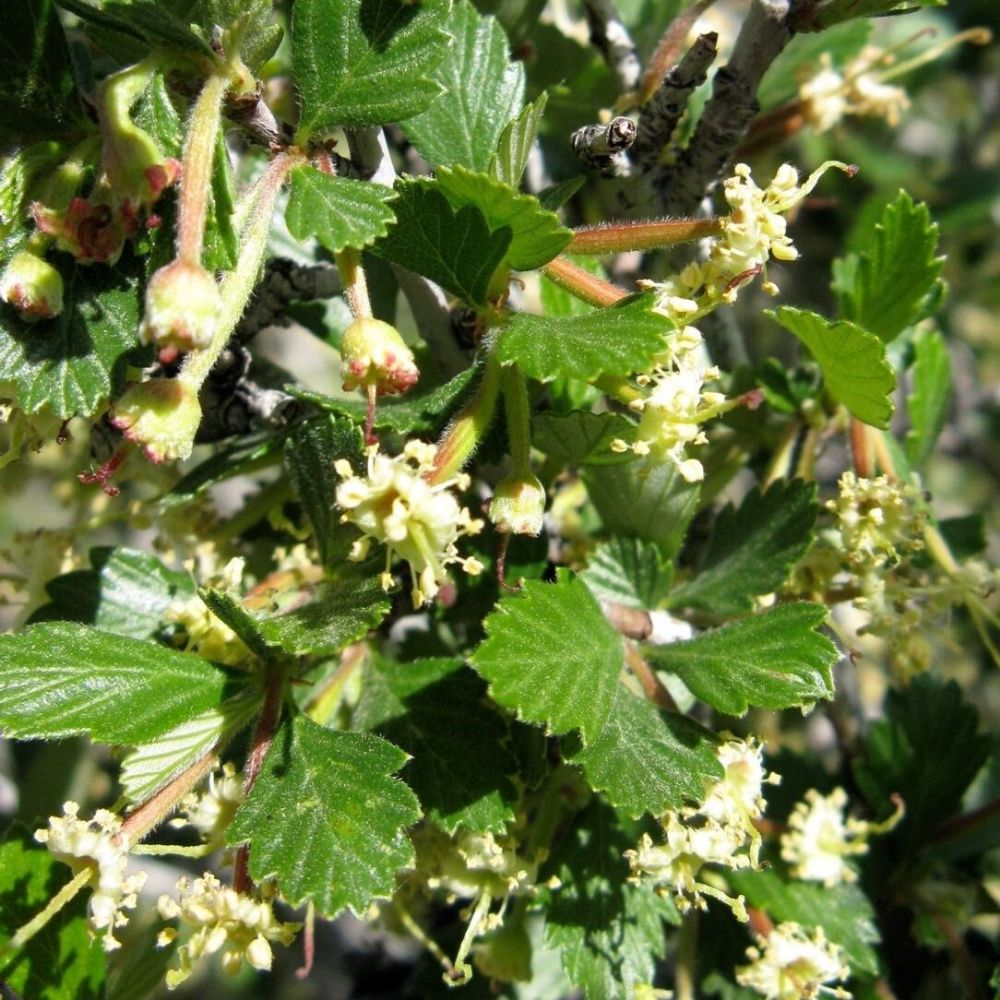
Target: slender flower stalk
point(584, 285)
point(652, 235)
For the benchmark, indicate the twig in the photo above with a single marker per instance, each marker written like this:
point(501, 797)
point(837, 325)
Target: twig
point(258, 121)
point(285, 281)
point(652, 686)
point(599, 147)
point(660, 115)
point(669, 48)
point(612, 38)
point(729, 110)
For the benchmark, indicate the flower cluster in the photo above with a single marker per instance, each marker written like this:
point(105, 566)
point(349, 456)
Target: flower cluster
point(97, 843)
point(792, 964)
point(827, 96)
point(397, 505)
point(720, 831)
point(210, 812)
point(221, 917)
point(752, 233)
point(819, 839)
point(675, 404)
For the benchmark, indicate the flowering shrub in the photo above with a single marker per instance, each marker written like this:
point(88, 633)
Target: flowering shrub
point(447, 499)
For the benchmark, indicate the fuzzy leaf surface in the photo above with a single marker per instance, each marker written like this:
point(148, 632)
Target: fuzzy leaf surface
point(646, 761)
point(437, 712)
point(61, 679)
point(453, 247)
point(927, 404)
point(126, 592)
point(619, 340)
point(843, 911)
point(551, 657)
point(516, 141)
point(855, 369)
point(772, 660)
point(897, 281)
point(327, 819)
point(753, 548)
point(71, 364)
point(365, 62)
point(483, 91)
point(652, 502)
point(628, 571)
point(64, 961)
point(538, 235)
point(609, 932)
point(338, 211)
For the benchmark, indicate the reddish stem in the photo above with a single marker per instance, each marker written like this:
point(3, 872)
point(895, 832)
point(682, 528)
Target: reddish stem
point(625, 236)
point(157, 808)
point(583, 284)
point(102, 475)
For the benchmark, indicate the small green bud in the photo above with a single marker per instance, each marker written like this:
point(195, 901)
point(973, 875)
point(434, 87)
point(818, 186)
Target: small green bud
point(32, 286)
point(162, 415)
point(505, 955)
point(182, 307)
point(373, 354)
point(518, 505)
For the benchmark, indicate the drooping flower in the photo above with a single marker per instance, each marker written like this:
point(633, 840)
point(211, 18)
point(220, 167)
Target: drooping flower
point(221, 918)
point(819, 839)
point(718, 832)
point(182, 308)
point(518, 505)
point(99, 844)
point(792, 964)
point(210, 812)
point(374, 355)
point(161, 415)
point(397, 505)
point(32, 286)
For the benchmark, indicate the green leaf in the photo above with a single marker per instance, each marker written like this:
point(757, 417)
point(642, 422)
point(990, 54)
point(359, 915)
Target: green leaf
point(326, 819)
point(126, 592)
point(773, 660)
point(150, 766)
point(515, 144)
point(454, 248)
point(582, 437)
point(538, 236)
point(753, 549)
point(436, 711)
point(63, 961)
point(483, 90)
point(628, 571)
point(338, 211)
point(928, 748)
point(645, 761)
point(895, 283)
point(61, 679)
point(365, 62)
point(853, 360)
point(619, 340)
point(311, 450)
point(71, 364)
point(222, 242)
point(38, 96)
point(927, 404)
point(314, 620)
point(155, 113)
point(259, 35)
point(827, 13)
point(843, 911)
point(652, 502)
point(610, 931)
point(538, 663)
point(415, 413)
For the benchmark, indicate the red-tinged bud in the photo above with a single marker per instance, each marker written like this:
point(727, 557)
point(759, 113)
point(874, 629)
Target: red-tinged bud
point(162, 416)
point(90, 231)
point(32, 286)
point(373, 354)
point(182, 307)
point(518, 505)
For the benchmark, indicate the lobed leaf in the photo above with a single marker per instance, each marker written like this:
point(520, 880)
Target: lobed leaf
point(773, 660)
point(551, 657)
point(646, 761)
point(753, 549)
point(62, 679)
point(483, 90)
point(365, 62)
point(327, 819)
point(927, 404)
point(619, 340)
point(338, 211)
point(853, 360)
point(628, 571)
point(581, 437)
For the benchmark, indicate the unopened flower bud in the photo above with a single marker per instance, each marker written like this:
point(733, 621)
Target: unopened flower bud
point(374, 354)
point(162, 415)
point(32, 286)
point(505, 955)
point(518, 505)
point(182, 307)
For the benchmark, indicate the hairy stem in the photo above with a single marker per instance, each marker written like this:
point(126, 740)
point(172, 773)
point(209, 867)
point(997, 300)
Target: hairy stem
point(625, 236)
point(584, 285)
